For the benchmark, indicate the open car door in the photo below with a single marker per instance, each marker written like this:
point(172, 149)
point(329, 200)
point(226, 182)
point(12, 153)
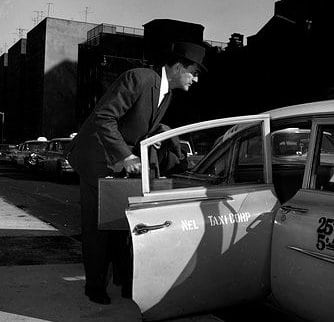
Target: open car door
point(205, 246)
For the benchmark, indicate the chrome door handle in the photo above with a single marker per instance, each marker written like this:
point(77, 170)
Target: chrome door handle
point(287, 209)
point(142, 228)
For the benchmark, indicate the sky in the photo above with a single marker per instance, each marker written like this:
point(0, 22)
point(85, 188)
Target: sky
point(220, 18)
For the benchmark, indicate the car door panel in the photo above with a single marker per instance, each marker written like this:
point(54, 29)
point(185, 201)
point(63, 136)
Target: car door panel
point(303, 245)
point(302, 275)
point(205, 254)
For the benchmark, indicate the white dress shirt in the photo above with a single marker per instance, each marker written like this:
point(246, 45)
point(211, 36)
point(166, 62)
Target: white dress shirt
point(164, 87)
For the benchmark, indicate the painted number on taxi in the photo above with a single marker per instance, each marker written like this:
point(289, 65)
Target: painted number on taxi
point(325, 231)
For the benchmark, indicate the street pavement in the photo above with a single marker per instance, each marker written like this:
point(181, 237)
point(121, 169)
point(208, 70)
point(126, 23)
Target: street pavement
point(52, 288)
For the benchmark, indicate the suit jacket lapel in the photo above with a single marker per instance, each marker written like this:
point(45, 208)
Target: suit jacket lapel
point(161, 111)
point(155, 99)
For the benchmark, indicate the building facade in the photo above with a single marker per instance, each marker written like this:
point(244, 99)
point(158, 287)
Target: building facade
point(52, 56)
point(15, 91)
point(39, 85)
point(108, 51)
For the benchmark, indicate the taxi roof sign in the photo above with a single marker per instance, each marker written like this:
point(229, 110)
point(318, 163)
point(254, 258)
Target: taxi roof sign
point(42, 138)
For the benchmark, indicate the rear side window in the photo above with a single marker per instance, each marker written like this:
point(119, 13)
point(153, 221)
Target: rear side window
point(290, 142)
point(323, 167)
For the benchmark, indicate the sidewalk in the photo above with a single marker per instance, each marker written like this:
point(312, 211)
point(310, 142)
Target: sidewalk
point(51, 292)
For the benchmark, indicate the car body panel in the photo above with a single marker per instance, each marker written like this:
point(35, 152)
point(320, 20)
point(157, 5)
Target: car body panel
point(206, 254)
point(303, 237)
point(302, 275)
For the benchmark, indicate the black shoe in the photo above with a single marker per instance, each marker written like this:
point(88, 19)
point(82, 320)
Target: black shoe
point(98, 296)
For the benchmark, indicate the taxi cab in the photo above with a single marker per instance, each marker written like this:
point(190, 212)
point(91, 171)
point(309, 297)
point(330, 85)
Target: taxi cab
point(25, 149)
point(252, 220)
point(52, 160)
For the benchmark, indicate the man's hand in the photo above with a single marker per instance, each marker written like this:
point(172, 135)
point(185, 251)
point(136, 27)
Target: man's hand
point(132, 164)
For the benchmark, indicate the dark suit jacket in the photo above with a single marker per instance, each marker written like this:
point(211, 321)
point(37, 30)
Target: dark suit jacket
point(121, 119)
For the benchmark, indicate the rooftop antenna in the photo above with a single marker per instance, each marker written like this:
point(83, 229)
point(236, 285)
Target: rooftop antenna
point(86, 13)
point(50, 8)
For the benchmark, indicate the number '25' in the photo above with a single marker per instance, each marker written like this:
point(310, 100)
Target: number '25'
point(326, 226)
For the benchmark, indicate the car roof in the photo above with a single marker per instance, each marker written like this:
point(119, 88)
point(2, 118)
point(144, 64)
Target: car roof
point(307, 109)
point(34, 141)
point(314, 108)
point(61, 139)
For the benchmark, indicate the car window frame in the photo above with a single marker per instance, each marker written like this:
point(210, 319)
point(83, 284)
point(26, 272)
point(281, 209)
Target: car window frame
point(145, 144)
point(309, 178)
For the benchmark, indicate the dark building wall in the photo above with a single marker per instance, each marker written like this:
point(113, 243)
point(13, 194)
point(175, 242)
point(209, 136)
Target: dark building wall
point(34, 95)
point(3, 82)
point(15, 91)
point(289, 61)
point(100, 62)
point(3, 92)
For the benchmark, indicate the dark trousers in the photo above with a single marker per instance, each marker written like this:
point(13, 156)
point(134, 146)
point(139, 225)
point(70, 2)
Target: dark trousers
point(101, 248)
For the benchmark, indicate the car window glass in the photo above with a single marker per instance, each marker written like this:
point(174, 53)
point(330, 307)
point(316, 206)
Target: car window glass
point(323, 167)
point(37, 146)
point(290, 142)
point(249, 163)
point(175, 160)
point(57, 146)
point(224, 155)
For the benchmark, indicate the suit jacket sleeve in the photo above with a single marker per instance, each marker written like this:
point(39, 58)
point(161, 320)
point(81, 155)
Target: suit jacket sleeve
point(120, 97)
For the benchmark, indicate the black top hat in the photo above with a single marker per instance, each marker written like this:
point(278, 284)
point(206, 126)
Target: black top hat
point(190, 51)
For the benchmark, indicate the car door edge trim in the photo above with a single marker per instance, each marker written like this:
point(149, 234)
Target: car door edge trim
point(265, 118)
point(324, 257)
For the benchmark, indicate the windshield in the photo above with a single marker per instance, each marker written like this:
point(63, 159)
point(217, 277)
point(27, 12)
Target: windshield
point(36, 146)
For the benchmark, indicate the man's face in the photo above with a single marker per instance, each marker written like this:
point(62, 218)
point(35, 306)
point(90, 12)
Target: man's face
point(183, 77)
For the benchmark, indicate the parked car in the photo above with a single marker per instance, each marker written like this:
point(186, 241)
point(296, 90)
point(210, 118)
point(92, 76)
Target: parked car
point(253, 220)
point(6, 152)
point(52, 160)
point(25, 149)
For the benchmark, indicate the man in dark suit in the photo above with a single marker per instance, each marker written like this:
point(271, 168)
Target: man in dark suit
point(129, 111)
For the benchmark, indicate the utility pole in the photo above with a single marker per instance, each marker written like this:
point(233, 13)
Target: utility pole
point(86, 13)
point(50, 6)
